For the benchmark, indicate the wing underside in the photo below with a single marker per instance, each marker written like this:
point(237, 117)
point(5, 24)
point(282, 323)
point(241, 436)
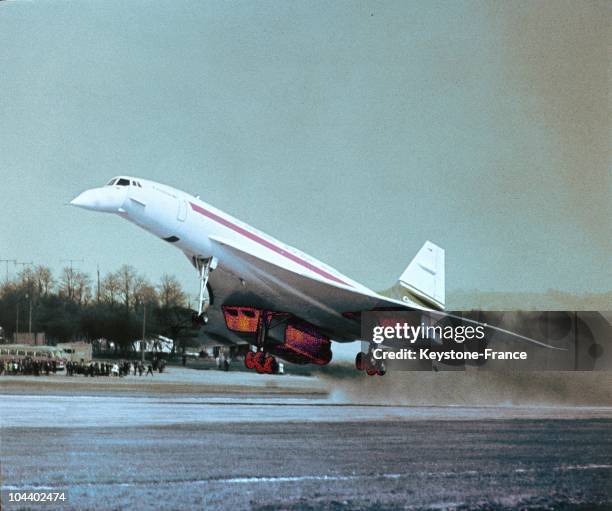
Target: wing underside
point(242, 279)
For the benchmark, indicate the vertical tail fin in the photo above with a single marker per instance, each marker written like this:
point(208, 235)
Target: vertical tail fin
point(424, 276)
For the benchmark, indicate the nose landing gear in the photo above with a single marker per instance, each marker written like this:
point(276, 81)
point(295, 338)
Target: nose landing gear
point(204, 266)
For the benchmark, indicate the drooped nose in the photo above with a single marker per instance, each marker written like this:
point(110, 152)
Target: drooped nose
point(107, 199)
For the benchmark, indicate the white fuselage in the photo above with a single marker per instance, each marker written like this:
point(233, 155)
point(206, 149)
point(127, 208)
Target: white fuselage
point(194, 226)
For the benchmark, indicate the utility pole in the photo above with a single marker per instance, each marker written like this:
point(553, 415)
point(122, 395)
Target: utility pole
point(144, 329)
point(30, 315)
point(28, 295)
point(6, 261)
point(71, 261)
point(98, 288)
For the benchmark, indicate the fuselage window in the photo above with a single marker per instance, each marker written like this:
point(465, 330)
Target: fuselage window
point(123, 182)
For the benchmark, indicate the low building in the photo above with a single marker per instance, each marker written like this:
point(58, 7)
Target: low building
point(31, 338)
point(76, 351)
point(160, 344)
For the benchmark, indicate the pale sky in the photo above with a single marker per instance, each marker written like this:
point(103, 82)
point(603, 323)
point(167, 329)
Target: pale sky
point(352, 130)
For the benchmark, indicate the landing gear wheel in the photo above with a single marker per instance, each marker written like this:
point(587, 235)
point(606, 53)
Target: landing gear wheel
point(249, 360)
point(198, 320)
point(270, 365)
point(360, 361)
point(258, 360)
point(373, 366)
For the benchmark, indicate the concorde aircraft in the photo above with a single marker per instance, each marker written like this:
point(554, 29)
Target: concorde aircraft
point(255, 289)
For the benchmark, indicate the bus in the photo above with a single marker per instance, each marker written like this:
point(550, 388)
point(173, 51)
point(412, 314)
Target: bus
point(16, 352)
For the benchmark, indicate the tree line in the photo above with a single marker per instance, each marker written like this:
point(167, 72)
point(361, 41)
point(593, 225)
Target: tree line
point(73, 306)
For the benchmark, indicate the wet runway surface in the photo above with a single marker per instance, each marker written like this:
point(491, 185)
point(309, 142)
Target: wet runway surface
point(229, 452)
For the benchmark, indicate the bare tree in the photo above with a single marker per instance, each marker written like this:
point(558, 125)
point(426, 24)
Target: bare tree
point(82, 288)
point(44, 279)
point(110, 289)
point(144, 292)
point(66, 286)
point(75, 286)
point(126, 276)
point(170, 292)
point(25, 278)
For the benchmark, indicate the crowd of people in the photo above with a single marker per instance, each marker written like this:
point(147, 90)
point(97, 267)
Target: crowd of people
point(29, 366)
point(122, 368)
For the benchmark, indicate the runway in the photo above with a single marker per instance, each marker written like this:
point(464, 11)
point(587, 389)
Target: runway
point(270, 452)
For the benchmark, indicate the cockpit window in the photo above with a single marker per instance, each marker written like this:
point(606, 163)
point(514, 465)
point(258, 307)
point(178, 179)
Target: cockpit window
point(122, 181)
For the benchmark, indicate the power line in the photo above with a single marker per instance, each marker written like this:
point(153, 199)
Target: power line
point(6, 262)
point(71, 261)
point(24, 263)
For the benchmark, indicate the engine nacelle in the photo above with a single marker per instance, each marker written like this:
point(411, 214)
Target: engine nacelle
point(303, 344)
point(290, 338)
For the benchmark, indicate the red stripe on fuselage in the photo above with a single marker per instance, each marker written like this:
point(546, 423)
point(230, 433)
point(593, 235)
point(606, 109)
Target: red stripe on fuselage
point(258, 239)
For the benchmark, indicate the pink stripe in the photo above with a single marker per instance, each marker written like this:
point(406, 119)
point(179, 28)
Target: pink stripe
point(265, 243)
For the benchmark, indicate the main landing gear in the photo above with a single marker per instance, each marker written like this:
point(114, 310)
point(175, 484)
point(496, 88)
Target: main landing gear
point(366, 362)
point(204, 266)
point(262, 363)
point(259, 360)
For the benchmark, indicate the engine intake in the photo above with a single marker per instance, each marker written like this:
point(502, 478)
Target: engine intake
point(241, 319)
